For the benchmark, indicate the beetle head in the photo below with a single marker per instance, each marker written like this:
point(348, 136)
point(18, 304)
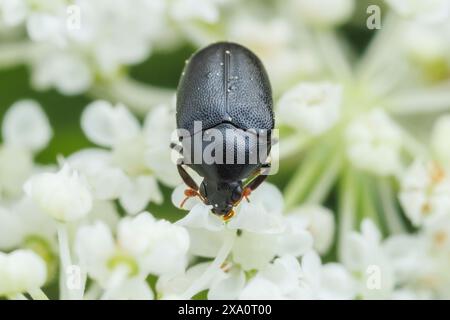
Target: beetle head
point(223, 196)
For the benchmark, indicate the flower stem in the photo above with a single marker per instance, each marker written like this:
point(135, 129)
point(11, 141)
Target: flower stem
point(376, 54)
point(429, 100)
point(38, 294)
point(326, 180)
point(65, 259)
point(138, 96)
point(202, 282)
point(303, 179)
point(333, 53)
point(347, 207)
point(292, 145)
point(392, 216)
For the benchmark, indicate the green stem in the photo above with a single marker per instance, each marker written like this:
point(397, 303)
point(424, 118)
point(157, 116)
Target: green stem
point(368, 207)
point(392, 215)
point(376, 54)
point(326, 181)
point(346, 209)
point(429, 100)
point(330, 47)
point(135, 95)
point(298, 186)
point(292, 145)
point(38, 294)
point(65, 259)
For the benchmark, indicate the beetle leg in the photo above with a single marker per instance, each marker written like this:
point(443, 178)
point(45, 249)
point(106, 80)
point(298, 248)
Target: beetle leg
point(264, 167)
point(193, 187)
point(228, 216)
point(187, 178)
point(189, 193)
point(252, 185)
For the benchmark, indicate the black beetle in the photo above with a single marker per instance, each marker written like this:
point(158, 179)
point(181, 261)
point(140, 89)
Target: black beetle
point(226, 87)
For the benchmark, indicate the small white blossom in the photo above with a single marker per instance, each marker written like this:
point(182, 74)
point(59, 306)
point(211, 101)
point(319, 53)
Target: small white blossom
point(65, 71)
point(363, 255)
point(203, 10)
point(25, 131)
point(313, 107)
point(26, 125)
point(318, 220)
point(16, 165)
point(276, 42)
point(263, 231)
point(138, 156)
point(421, 260)
point(21, 271)
point(64, 195)
point(286, 278)
point(106, 179)
point(324, 12)
point(429, 11)
point(425, 191)
point(374, 143)
point(13, 12)
point(22, 220)
point(424, 44)
point(144, 245)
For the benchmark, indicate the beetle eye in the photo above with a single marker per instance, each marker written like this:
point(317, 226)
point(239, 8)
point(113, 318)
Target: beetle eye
point(236, 195)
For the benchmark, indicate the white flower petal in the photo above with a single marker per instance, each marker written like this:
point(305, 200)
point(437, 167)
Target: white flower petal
point(312, 11)
point(107, 181)
point(312, 107)
point(254, 251)
point(228, 288)
point(336, 283)
point(253, 217)
point(200, 216)
point(64, 195)
point(178, 197)
point(159, 246)
point(26, 125)
point(94, 245)
point(205, 243)
point(318, 220)
point(311, 266)
point(13, 12)
point(260, 289)
point(139, 192)
point(21, 271)
point(11, 230)
point(106, 125)
point(132, 289)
